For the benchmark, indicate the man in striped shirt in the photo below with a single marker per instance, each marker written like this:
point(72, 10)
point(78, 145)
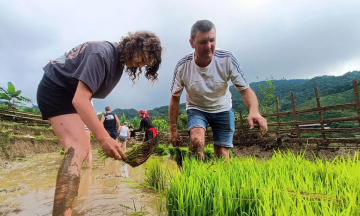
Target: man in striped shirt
point(205, 74)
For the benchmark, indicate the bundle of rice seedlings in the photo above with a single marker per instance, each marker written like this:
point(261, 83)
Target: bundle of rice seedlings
point(178, 155)
point(138, 155)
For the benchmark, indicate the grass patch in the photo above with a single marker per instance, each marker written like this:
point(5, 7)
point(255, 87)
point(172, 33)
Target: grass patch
point(285, 184)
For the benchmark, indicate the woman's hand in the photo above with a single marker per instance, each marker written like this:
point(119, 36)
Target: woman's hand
point(112, 149)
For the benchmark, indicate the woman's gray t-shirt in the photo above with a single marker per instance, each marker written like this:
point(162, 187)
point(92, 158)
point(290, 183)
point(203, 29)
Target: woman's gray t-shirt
point(96, 63)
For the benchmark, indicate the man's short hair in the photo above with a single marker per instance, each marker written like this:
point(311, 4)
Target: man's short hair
point(107, 108)
point(202, 26)
point(125, 123)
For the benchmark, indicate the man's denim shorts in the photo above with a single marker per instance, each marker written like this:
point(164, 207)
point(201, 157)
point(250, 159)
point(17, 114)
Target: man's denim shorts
point(222, 125)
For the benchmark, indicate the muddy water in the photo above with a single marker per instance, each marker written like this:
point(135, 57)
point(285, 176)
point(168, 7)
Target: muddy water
point(27, 188)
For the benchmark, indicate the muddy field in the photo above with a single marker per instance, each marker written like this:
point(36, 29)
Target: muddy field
point(27, 188)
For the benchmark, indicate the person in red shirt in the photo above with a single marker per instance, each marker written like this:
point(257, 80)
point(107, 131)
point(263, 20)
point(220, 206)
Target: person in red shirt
point(146, 125)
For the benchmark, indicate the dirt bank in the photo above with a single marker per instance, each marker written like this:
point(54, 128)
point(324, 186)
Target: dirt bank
point(15, 146)
point(309, 152)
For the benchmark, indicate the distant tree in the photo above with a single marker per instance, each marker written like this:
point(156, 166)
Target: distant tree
point(11, 97)
point(135, 122)
point(161, 125)
point(267, 97)
point(122, 119)
point(182, 122)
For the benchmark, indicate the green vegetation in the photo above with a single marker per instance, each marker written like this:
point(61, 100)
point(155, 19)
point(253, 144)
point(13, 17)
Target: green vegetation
point(156, 175)
point(338, 88)
point(40, 137)
point(285, 184)
point(11, 97)
point(266, 96)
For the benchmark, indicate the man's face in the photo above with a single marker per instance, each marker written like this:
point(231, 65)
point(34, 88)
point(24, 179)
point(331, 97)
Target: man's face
point(204, 44)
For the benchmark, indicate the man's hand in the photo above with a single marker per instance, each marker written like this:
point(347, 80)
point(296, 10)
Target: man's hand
point(112, 149)
point(259, 120)
point(174, 136)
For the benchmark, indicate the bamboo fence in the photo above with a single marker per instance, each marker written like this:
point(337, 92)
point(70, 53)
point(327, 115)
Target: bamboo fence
point(291, 132)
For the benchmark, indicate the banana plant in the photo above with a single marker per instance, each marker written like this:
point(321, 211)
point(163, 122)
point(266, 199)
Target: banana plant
point(11, 97)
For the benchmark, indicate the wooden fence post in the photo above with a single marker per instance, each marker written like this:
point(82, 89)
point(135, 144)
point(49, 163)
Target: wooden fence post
point(357, 99)
point(295, 115)
point(320, 114)
point(277, 116)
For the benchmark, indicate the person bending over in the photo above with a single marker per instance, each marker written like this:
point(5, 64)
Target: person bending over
point(146, 125)
point(89, 70)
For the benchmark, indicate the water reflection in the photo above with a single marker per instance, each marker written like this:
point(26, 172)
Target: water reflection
point(102, 191)
point(124, 171)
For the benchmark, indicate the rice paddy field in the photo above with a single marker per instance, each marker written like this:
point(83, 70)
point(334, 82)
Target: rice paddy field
point(285, 184)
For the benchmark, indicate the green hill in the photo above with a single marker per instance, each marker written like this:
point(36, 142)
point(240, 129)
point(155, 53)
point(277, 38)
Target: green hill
point(338, 88)
point(303, 88)
point(334, 99)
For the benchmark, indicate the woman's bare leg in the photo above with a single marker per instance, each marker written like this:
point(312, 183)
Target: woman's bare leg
point(124, 146)
point(69, 129)
point(89, 158)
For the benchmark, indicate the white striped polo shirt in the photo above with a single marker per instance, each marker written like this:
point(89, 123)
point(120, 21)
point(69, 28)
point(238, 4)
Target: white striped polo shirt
point(207, 88)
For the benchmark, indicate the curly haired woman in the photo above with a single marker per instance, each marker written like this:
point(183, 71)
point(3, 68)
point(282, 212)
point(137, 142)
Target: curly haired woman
point(90, 70)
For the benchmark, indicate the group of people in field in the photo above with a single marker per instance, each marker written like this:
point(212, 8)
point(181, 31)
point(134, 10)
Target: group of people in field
point(92, 70)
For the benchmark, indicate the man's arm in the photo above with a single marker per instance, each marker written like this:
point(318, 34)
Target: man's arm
point(118, 122)
point(174, 110)
point(252, 105)
point(173, 117)
point(102, 119)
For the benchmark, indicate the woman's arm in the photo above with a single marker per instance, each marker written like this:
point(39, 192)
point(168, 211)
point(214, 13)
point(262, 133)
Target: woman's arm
point(82, 104)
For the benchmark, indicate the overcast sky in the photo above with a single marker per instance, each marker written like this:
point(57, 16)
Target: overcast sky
point(291, 39)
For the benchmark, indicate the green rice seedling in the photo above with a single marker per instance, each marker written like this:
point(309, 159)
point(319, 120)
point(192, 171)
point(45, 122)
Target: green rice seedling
point(40, 137)
point(164, 153)
point(184, 152)
point(155, 174)
point(171, 150)
point(139, 154)
point(209, 152)
point(160, 149)
point(62, 151)
point(286, 184)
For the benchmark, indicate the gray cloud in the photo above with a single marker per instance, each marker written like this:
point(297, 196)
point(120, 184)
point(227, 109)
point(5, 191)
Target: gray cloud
point(270, 38)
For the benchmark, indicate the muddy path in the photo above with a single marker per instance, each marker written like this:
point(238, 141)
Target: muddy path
point(27, 188)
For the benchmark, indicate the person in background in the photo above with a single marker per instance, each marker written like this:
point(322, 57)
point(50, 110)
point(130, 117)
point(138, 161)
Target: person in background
point(132, 133)
point(146, 125)
point(124, 135)
point(111, 123)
